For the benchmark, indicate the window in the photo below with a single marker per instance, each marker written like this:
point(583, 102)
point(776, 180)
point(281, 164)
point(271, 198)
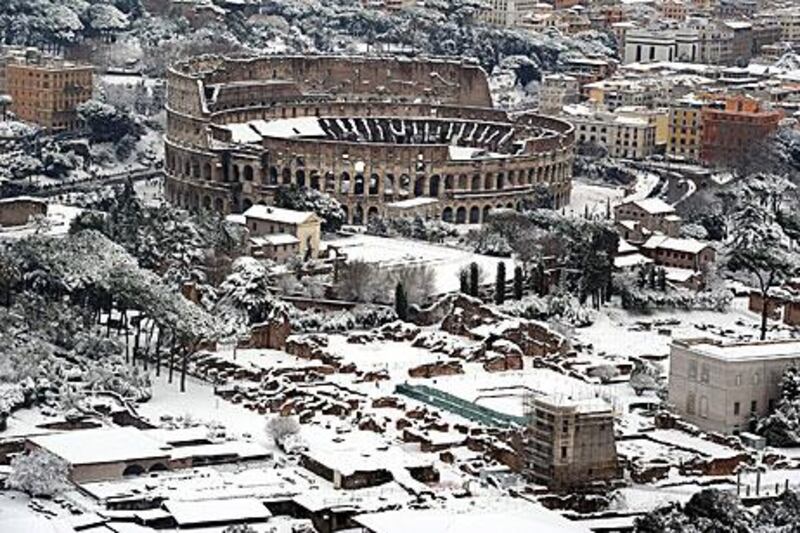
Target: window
point(704, 406)
point(690, 400)
point(563, 452)
point(756, 378)
point(704, 373)
point(736, 408)
point(692, 369)
point(738, 379)
point(753, 406)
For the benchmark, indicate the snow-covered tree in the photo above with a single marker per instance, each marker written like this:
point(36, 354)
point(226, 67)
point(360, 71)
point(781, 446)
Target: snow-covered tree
point(782, 427)
point(706, 511)
point(760, 247)
point(304, 199)
point(280, 427)
point(38, 473)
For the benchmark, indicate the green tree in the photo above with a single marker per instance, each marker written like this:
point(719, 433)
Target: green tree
point(518, 282)
point(500, 284)
point(401, 302)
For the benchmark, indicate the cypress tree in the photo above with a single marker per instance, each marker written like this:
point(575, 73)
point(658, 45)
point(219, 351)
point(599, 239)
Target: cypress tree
point(500, 284)
point(518, 283)
point(474, 279)
point(401, 302)
point(463, 281)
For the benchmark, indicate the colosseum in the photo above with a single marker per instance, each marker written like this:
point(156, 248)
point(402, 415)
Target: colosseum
point(381, 134)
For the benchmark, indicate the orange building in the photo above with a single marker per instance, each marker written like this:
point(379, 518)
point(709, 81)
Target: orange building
point(47, 91)
point(730, 132)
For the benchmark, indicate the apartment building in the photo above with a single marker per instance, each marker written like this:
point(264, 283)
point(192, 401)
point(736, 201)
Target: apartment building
point(292, 232)
point(789, 20)
point(625, 92)
point(556, 91)
point(650, 214)
point(506, 12)
point(569, 442)
point(673, 9)
point(722, 386)
point(729, 132)
point(621, 135)
point(45, 90)
point(685, 137)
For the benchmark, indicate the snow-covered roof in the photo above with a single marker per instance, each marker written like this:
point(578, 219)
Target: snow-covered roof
point(691, 246)
point(277, 239)
point(100, 445)
point(539, 520)
point(465, 153)
point(22, 199)
point(624, 247)
point(413, 202)
point(678, 275)
point(654, 206)
point(187, 513)
point(580, 405)
point(789, 349)
point(278, 214)
point(626, 261)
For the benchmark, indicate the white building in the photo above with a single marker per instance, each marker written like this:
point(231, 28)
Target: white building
point(721, 387)
point(653, 46)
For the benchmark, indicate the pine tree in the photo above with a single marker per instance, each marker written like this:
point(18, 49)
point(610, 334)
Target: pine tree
point(463, 281)
point(500, 284)
point(518, 283)
point(401, 302)
point(474, 279)
point(662, 280)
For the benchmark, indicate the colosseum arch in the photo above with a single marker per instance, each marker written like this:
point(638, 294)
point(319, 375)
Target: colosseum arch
point(475, 185)
point(346, 183)
point(207, 171)
point(447, 214)
point(248, 173)
point(501, 181)
point(474, 215)
point(374, 179)
point(435, 186)
point(420, 184)
point(300, 177)
point(358, 189)
point(219, 205)
point(448, 182)
point(273, 175)
point(389, 184)
point(372, 213)
point(461, 215)
point(358, 215)
point(314, 180)
point(158, 467)
point(462, 182)
point(206, 202)
point(486, 210)
point(488, 182)
point(404, 184)
point(237, 174)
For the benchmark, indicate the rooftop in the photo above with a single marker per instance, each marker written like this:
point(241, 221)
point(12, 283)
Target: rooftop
point(277, 214)
point(101, 445)
point(691, 246)
point(789, 349)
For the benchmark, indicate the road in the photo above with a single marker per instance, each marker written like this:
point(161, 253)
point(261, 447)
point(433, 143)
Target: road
point(96, 182)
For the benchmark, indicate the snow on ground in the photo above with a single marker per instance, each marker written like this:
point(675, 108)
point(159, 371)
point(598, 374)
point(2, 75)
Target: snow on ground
point(611, 332)
point(202, 405)
point(394, 252)
point(595, 198)
point(56, 222)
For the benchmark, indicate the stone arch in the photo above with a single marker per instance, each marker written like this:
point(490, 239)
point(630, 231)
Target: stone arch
point(273, 175)
point(374, 180)
point(358, 215)
point(461, 215)
point(237, 173)
point(300, 177)
point(488, 182)
point(187, 170)
point(531, 173)
point(315, 180)
point(475, 215)
point(158, 467)
point(475, 185)
point(133, 470)
point(219, 205)
point(435, 185)
point(462, 182)
point(207, 171)
point(420, 186)
point(206, 202)
point(510, 205)
point(486, 210)
point(358, 187)
point(448, 182)
point(372, 213)
point(195, 200)
point(248, 173)
point(512, 177)
point(447, 214)
point(346, 185)
point(501, 181)
point(286, 176)
point(404, 184)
